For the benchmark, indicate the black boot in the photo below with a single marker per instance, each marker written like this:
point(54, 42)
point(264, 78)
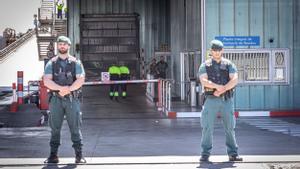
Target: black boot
point(235, 158)
point(79, 158)
point(204, 158)
point(53, 158)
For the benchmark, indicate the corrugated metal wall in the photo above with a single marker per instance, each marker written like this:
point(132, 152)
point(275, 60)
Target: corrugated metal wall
point(185, 32)
point(177, 22)
point(266, 19)
point(154, 15)
point(296, 54)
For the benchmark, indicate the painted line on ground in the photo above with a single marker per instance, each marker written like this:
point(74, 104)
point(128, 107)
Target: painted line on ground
point(174, 114)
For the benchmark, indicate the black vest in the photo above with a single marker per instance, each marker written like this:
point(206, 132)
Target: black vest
point(64, 75)
point(218, 72)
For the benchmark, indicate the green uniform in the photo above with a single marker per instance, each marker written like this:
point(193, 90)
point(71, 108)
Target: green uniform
point(214, 104)
point(68, 106)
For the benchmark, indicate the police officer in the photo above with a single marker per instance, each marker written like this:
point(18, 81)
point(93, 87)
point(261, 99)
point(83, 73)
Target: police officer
point(124, 75)
point(64, 75)
point(219, 77)
point(114, 74)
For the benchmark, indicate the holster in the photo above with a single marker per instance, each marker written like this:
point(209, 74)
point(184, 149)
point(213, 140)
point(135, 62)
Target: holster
point(202, 99)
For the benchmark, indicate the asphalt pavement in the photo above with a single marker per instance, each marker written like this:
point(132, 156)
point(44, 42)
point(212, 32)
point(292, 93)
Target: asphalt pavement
point(130, 133)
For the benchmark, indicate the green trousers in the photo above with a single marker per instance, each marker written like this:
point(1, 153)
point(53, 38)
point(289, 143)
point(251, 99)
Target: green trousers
point(212, 106)
point(70, 108)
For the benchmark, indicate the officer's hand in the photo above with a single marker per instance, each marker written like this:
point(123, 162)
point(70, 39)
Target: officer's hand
point(62, 94)
point(220, 88)
point(217, 93)
point(64, 91)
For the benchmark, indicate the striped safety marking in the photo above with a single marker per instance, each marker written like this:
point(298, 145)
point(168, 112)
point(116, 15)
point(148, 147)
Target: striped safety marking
point(20, 93)
point(20, 80)
point(294, 113)
point(274, 125)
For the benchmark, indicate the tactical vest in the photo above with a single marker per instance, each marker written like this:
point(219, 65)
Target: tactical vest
point(220, 76)
point(64, 76)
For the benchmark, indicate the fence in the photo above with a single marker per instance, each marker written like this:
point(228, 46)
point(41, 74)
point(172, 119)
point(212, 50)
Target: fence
point(265, 66)
point(163, 90)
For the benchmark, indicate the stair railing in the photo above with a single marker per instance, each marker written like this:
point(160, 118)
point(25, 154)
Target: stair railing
point(16, 44)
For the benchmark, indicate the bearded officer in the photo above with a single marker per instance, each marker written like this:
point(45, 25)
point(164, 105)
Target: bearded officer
point(64, 75)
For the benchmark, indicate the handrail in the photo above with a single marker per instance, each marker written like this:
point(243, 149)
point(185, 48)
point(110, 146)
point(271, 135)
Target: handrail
point(11, 47)
point(163, 90)
point(164, 95)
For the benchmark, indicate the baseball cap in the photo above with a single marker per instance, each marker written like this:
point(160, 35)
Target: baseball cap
point(64, 39)
point(216, 45)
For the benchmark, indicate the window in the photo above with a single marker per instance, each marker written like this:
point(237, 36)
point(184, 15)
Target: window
point(265, 66)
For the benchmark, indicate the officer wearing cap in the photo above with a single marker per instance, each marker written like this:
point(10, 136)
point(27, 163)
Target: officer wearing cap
point(64, 75)
point(218, 76)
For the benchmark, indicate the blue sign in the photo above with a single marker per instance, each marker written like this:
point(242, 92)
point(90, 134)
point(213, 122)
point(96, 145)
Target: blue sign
point(239, 40)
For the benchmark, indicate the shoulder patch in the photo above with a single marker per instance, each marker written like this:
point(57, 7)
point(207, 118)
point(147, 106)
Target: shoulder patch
point(54, 59)
point(208, 62)
point(226, 61)
point(72, 58)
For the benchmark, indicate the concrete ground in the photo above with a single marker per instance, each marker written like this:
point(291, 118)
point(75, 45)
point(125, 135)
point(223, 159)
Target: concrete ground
point(132, 134)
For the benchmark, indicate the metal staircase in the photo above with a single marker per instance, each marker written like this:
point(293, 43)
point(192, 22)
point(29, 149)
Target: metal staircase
point(5, 52)
point(49, 27)
point(60, 27)
point(46, 11)
point(43, 44)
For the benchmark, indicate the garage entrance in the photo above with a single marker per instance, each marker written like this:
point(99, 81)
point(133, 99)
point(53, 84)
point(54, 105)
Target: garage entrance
point(108, 39)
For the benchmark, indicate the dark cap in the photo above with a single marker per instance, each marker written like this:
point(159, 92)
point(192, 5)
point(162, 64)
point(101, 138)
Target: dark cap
point(64, 39)
point(216, 45)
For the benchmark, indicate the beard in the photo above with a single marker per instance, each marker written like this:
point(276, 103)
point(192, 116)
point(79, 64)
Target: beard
point(62, 51)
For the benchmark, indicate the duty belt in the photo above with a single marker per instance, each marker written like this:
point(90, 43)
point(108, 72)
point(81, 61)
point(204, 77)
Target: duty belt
point(209, 91)
point(225, 96)
point(70, 96)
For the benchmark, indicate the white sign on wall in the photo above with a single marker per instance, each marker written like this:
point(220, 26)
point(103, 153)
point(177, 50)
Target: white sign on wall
point(104, 76)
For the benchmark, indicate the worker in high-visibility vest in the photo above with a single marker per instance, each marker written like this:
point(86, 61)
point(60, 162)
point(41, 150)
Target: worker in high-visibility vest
point(66, 12)
point(114, 73)
point(124, 75)
point(59, 8)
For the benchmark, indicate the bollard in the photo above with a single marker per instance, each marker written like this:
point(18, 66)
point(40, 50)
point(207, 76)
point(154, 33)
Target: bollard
point(193, 93)
point(159, 95)
point(43, 96)
point(20, 87)
point(14, 104)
